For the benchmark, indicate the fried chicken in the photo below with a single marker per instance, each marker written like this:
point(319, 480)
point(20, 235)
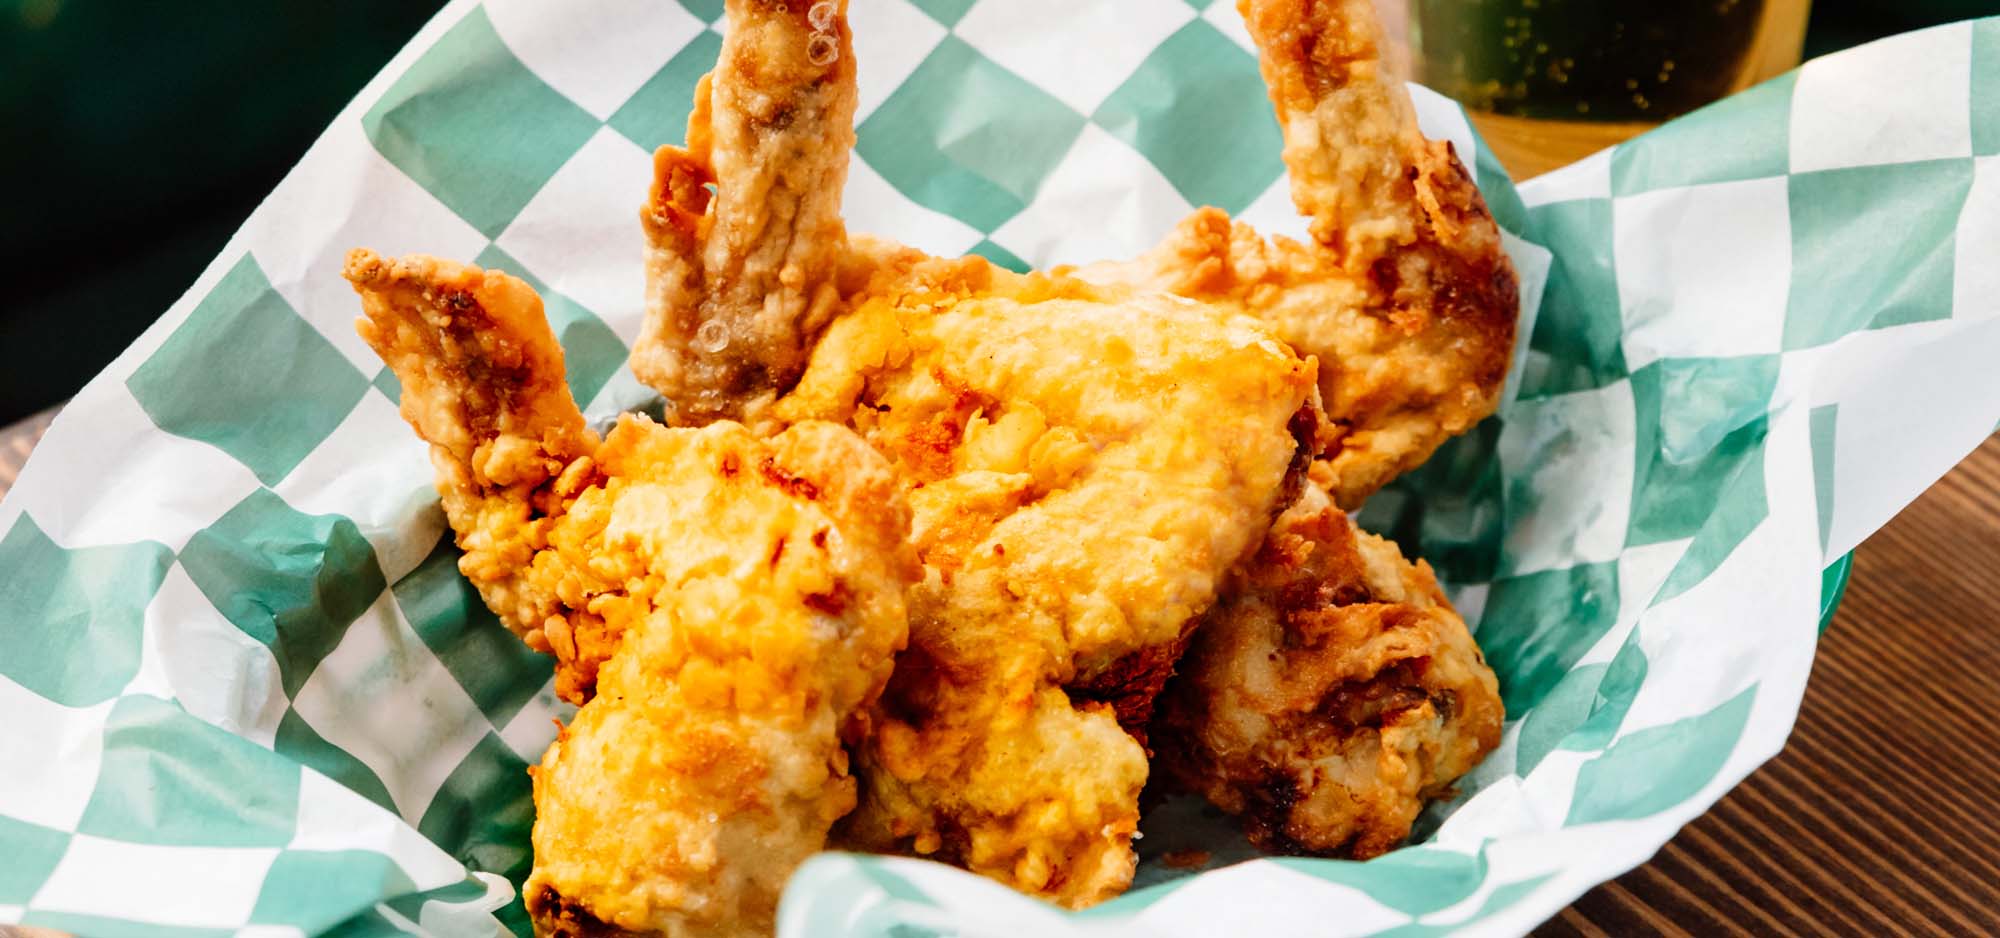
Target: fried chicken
point(1330, 694)
point(1404, 293)
point(1050, 485)
point(1083, 466)
point(724, 607)
point(1086, 456)
point(739, 283)
point(482, 382)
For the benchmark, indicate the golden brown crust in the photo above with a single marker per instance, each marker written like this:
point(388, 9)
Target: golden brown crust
point(1404, 293)
point(1330, 694)
point(1333, 690)
point(1084, 466)
point(763, 600)
point(482, 382)
point(724, 607)
point(739, 284)
point(1131, 684)
point(489, 363)
point(1084, 462)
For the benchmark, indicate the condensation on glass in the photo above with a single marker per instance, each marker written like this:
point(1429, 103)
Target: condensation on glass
point(1551, 80)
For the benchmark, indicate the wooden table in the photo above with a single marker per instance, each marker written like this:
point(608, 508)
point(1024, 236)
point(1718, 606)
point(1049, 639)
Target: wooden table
point(1877, 819)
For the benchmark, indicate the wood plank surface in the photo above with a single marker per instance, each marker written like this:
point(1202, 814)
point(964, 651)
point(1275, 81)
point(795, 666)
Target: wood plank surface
point(1878, 818)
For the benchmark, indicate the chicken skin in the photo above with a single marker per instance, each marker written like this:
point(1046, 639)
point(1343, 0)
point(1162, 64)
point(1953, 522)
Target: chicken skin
point(1404, 293)
point(740, 282)
point(1330, 694)
point(725, 608)
point(484, 387)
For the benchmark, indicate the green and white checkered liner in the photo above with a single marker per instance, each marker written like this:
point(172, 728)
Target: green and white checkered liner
point(246, 691)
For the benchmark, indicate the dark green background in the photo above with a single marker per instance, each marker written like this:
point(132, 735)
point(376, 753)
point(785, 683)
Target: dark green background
point(135, 137)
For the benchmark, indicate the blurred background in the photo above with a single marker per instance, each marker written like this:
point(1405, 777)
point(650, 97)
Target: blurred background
point(135, 137)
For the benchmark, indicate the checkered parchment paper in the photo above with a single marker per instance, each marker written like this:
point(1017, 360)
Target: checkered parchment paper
point(243, 689)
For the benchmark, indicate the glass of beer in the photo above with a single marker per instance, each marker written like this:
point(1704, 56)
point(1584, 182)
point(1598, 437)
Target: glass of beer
point(1550, 81)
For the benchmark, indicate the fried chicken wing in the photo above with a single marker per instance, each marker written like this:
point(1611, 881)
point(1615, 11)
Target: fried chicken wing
point(1083, 466)
point(482, 382)
point(740, 281)
point(736, 602)
point(1330, 694)
point(710, 764)
point(1404, 293)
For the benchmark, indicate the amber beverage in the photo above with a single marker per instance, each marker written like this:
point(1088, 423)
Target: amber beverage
point(1550, 81)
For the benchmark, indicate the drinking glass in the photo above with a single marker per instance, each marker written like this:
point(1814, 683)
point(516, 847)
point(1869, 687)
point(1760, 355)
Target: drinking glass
point(1550, 81)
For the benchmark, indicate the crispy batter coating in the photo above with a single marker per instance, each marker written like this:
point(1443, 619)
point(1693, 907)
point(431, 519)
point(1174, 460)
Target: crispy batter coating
point(482, 381)
point(1085, 460)
point(1330, 694)
point(1404, 293)
point(710, 765)
point(736, 602)
point(1084, 466)
point(738, 284)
